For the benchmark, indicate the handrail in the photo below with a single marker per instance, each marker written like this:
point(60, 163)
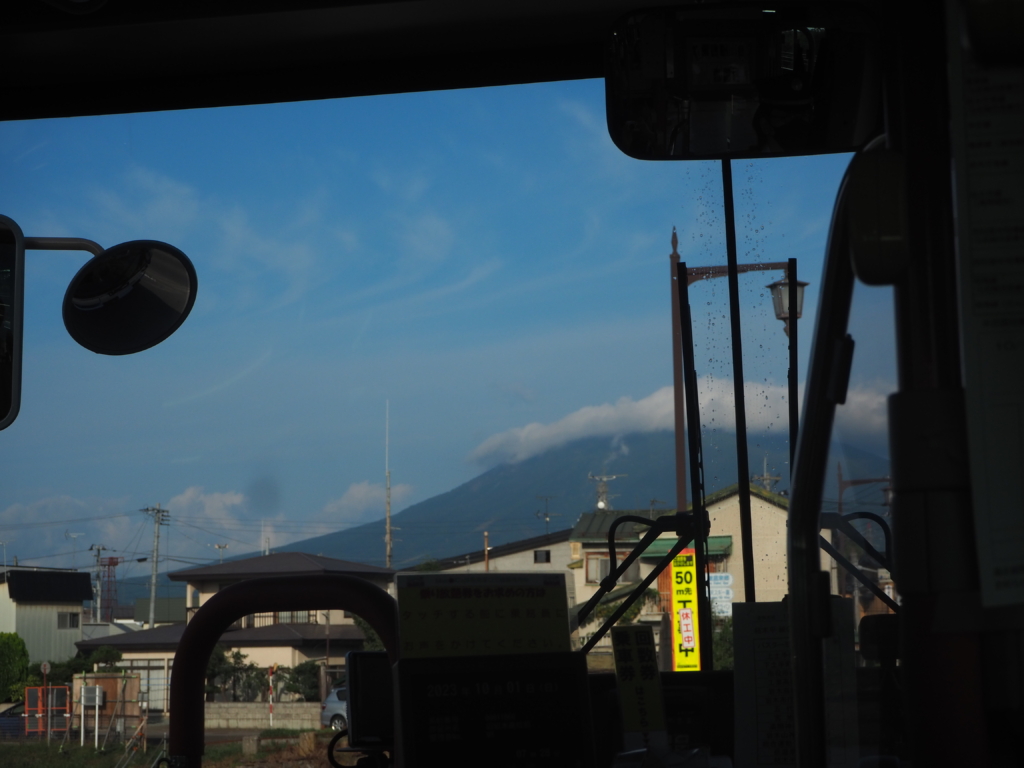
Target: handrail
point(338, 592)
point(809, 612)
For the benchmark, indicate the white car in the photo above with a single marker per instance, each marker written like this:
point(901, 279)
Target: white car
point(334, 709)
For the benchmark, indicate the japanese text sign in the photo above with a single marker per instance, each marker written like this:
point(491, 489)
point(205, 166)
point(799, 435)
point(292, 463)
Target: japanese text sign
point(482, 614)
point(685, 632)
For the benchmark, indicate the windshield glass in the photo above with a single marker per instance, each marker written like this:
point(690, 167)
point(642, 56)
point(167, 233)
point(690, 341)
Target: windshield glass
point(484, 260)
point(459, 301)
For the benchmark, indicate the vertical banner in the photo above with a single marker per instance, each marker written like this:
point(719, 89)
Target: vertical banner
point(685, 631)
point(639, 683)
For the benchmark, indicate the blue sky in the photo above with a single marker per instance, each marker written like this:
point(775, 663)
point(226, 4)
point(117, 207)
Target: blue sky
point(485, 260)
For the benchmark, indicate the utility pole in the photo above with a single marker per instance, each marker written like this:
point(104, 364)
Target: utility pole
point(159, 518)
point(98, 586)
point(766, 481)
point(487, 554)
point(387, 486)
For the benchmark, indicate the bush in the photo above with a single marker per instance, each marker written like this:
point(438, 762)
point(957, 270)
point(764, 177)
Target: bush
point(231, 673)
point(304, 679)
point(372, 641)
point(13, 662)
point(722, 648)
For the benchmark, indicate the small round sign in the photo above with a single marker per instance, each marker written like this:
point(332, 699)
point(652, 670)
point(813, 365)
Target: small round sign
point(45, 667)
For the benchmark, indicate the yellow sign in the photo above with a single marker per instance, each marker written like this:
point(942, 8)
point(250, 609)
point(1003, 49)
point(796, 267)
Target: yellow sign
point(481, 614)
point(685, 634)
point(636, 672)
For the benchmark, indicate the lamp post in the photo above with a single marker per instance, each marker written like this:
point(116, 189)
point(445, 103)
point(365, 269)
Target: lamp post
point(780, 299)
point(787, 308)
point(780, 302)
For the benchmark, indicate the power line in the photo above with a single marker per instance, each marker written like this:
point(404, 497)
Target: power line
point(51, 523)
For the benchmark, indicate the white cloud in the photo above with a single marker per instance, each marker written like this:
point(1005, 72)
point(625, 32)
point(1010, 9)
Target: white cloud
point(863, 416)
point(152, 205)
point(865, 413)
point(193, 501)
point(427, 236)
point(74, 524)
point(626, 415)
point(408, 186)
point(364, 501)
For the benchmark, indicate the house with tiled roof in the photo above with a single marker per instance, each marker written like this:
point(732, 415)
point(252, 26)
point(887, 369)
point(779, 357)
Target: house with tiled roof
point(282, 638)
point(769, 512)
point(43, 606)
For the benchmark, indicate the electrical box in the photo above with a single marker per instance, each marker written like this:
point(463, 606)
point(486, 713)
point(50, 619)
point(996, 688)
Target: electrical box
point(93, 696)
point(371, 704)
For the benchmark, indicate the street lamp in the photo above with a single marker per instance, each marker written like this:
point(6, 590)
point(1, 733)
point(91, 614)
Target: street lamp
point(781, 301)
point(781, 304)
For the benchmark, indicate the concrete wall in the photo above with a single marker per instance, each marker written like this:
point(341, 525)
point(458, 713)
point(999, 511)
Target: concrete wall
point(266, 657)
point(303, 714)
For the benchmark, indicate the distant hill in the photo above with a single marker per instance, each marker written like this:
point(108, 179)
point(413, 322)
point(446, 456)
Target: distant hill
point(503, 500)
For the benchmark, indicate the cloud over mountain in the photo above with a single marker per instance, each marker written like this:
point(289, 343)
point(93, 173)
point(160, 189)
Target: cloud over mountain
point(766, 409)
point(625, 415)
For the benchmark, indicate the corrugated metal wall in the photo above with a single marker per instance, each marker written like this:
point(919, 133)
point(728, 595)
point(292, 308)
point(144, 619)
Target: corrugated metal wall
point(37, 626)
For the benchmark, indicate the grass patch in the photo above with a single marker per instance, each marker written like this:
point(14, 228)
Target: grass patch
point(285, 733)
point(30, 755)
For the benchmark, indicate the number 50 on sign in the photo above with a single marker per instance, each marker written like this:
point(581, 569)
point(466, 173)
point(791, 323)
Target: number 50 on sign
point(685, 634)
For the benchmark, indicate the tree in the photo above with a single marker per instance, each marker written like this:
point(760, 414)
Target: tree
point(106, 656)
point(304, 679)
point(63, 672)
point(603, 611)
point(722, 654)
point(372, 641)
point(230, 672)
point(13, 661)
point(429, 565)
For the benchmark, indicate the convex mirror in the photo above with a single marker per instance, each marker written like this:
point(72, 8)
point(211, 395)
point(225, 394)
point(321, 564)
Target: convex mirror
point(715, 81)
point(130, 297)
point(124, 300)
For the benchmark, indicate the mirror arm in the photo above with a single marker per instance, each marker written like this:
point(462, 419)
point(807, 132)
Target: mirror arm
point(63, 244)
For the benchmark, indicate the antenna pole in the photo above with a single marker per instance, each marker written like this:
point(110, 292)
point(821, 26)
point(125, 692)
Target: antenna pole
point(97, 603)
point(387, 486)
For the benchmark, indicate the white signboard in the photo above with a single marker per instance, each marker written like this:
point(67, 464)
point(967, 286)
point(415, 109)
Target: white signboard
point(721, 593)
point(720, 580)
point(721, 607)
point(764, 727)
point(987, 119)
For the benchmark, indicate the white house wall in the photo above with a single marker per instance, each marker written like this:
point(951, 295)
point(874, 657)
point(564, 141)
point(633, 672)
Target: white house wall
point(768, 531)
point(8, 621)
point(522, 562)
point(198, 593)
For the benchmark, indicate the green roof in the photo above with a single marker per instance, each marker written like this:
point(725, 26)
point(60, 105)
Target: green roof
point(718, 546)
